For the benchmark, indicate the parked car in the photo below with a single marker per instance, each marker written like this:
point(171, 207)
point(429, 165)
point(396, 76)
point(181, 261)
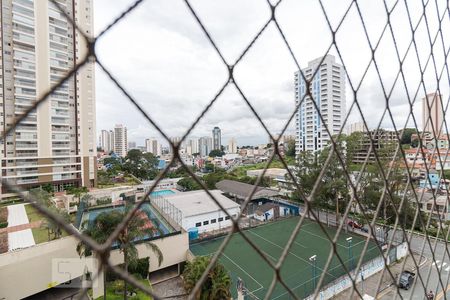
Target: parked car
point(354, 224)
point(406, 279)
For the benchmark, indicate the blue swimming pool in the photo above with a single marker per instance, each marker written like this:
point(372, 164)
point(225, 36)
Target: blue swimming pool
point(163, 226)
point(162, 193)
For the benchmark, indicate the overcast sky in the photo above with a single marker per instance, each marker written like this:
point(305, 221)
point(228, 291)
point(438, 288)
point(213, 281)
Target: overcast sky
point(162, 57)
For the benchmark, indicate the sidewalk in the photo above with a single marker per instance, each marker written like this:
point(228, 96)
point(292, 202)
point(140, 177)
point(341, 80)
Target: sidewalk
point(369, 285)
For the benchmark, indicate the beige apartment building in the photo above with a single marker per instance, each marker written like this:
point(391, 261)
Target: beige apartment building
point(432, 114)
point(56, 143)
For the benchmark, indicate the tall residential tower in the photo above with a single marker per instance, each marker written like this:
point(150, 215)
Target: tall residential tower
point(120, 140)
point(328, 93)
point(56, 143)
point(217, 138)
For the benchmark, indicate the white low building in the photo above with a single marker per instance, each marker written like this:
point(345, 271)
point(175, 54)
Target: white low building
point(200, 211)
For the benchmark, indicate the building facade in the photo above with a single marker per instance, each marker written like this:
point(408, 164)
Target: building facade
point(107, 140)
point(153, 146)
point(381, 139)
point(432, 114)
point(205, 145)
point(328, 94)
point(120, 140)
point(192, 146)
point(217, 138)
point(56, 143)
point(232, 145)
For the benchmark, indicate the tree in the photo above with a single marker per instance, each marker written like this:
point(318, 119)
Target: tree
point(209, 167)
point(406, 135)
point(189, 184)
point(290, 148)
point(216, 153)
point(113, 165)
point(103, 178)
point(136, 230)
point(217, 284)
point(43, 198)
point(141, 165)
point(48, 187)
point(333, 185)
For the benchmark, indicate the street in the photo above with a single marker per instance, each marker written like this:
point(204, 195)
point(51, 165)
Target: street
point(433, 272)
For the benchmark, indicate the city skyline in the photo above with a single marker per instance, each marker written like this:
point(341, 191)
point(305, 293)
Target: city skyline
point(175, 99)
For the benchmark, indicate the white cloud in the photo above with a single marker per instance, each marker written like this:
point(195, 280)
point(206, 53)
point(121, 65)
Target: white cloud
point(161, 56)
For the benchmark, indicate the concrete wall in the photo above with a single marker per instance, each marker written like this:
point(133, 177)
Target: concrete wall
point(29, 271)
point(189, 222)
point(367, 269)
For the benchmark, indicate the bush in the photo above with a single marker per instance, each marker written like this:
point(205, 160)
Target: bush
point(4, 225)
point(139, 270)
point(104, 200)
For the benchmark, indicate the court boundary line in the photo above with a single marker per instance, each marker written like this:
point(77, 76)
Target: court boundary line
point(339, 265)
point(308, 263)
point(316, 235)
point(246, 273)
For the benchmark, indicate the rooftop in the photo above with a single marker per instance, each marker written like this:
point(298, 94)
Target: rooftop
point(243, 190)
point(198, 202)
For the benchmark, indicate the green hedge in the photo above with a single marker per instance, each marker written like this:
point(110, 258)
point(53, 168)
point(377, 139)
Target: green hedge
point(4, 225)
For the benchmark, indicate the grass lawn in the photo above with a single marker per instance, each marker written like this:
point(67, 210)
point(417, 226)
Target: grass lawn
point(33, 214)
point(276, 163)
point(40, 234)
point(111, 295)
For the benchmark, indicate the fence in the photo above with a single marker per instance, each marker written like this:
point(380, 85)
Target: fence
point(419, 49)
point(367, 269)
point(168, 211)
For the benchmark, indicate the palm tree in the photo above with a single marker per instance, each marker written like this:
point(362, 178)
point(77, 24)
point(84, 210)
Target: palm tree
point(137, 230)
point(217, 284)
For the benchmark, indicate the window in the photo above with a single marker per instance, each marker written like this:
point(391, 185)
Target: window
point(227, 218)
point(198, 224)
point(220, 219)
point(205, 222)
point(213, 221)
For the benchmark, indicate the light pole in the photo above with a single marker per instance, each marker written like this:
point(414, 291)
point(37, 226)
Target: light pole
point(312, 259)
point(350, 254)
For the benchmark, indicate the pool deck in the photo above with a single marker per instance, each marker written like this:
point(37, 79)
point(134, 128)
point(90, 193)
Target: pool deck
point(148, 208)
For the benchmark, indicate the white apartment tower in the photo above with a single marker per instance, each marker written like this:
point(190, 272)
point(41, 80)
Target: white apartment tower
point(192, 146)
point(56, 143)
point(328, 92)
point(120, 140)
point(153, 146)
point(107, 140)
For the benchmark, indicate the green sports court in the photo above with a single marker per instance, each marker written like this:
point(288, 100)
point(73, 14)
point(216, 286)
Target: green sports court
point(243, 262)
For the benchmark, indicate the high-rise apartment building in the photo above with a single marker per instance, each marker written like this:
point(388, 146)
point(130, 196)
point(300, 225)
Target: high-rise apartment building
point(132, 145)
point(56, 143)
point(192, 146)
point(153, 146)
point(232, 145)
point(205, 145)
point(120, 140)
point(432, 114)
point(103, 140)
point(328, 93)
point(217, 138)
